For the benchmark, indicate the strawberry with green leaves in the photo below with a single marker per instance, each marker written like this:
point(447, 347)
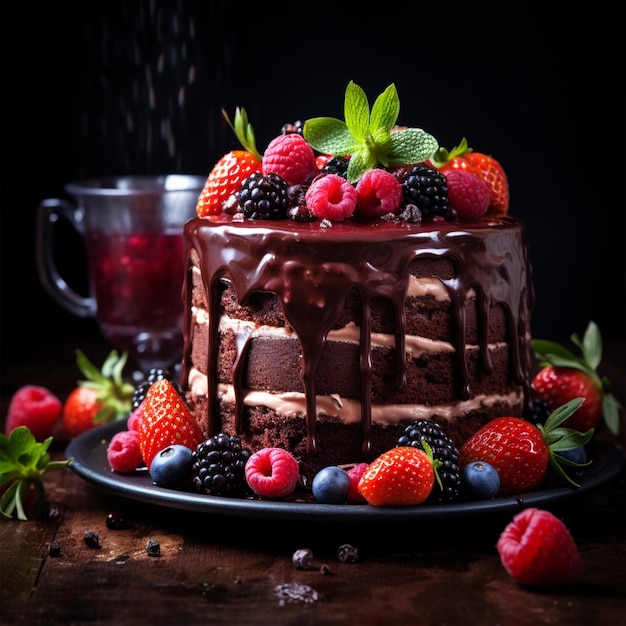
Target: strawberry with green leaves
point(402, 476)
point(565, 376)
point(232, 169)
point(23, 462)
point(165, 421)
point(521, 452)
point(102, 397)
point(488, 169)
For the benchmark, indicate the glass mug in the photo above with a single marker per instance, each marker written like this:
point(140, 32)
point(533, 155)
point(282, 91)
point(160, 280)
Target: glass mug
point(132, 229)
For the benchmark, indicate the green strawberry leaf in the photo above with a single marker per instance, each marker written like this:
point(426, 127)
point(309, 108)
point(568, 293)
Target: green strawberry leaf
point(366, 136)
point(23, 462)
point(591, 345)
point(243, 131)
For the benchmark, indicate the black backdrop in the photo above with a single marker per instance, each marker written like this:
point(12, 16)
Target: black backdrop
point(96, 87)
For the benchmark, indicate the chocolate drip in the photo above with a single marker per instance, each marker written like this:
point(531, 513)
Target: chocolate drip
point(312, 269)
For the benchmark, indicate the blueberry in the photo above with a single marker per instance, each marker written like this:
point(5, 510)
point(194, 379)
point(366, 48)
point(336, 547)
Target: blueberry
point(480, 480)
point(172, 466)
point(576, 455)
point(331, 485)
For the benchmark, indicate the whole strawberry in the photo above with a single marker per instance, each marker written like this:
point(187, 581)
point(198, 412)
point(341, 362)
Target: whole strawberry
point(101, 398)
point(521, 452)
point(564, 376)
point(165, 421)
point(537, 549)
point(463, 158)
point(231, 169)
point(402, 476)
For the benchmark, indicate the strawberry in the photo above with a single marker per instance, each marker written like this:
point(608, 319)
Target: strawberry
point(166, 421)
point(482, 165)
point(103, 397)
point(537, 549)
point(564, 376)
point(231, 170)
point(402, 476)
point(521, 451)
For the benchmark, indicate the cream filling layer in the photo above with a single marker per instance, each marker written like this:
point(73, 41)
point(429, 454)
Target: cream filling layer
point(415, 346)
point(293, 404)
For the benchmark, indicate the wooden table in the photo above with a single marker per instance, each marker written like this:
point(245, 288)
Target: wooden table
point(223, 570)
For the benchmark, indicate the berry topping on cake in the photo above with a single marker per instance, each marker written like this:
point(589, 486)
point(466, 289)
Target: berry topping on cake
point(219, 465)
point(427, 190)
point(537, 549)
point(35, 407)
point(565, 376)
point(468, 195)
point(463, 158)
point(264, 197)
point(272, 472)
point(290, 157)
point(443, 450)
point(378, 193)
point(521, 451)
point(402, 476)
point(331, 197)
point(166, 420)
point(232, 169)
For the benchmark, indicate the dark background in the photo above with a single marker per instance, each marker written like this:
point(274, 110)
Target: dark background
point(540, 85)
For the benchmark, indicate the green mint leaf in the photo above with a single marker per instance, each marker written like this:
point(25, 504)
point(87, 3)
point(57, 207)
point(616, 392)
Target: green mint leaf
point(356, 111)
point(329, 135)
point(385, 110)
point(411, 145)
point(361, 161)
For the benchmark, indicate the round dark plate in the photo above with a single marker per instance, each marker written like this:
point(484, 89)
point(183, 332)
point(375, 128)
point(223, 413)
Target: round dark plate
point(90, 462)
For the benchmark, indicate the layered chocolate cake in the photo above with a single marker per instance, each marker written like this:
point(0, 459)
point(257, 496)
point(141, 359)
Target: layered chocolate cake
point(325, 331)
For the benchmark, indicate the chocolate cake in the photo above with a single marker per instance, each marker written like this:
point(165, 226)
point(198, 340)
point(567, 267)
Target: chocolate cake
point(329, 340)
point(352, 279)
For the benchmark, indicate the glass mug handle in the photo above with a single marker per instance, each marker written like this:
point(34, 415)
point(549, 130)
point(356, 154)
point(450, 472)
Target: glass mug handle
point(49, 212)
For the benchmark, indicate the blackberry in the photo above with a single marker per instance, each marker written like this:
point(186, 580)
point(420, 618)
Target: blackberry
point(264, 197)
point(540, 411)
point(289, 128)
point(153, 375)
point(427, 189)
point(443, 450)
point(337, 165)
point(218, 466)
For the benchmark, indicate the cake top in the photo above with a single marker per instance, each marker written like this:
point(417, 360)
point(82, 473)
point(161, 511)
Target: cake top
point(363, 168)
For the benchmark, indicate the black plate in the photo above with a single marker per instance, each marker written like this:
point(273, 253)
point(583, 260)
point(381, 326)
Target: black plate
point(90, 462)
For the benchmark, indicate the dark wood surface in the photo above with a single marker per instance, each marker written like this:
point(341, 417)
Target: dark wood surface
point(222, 570)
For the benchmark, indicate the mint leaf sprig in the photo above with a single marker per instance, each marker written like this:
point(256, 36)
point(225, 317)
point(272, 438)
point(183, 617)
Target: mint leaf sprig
point(366, 136)
point(23, 462)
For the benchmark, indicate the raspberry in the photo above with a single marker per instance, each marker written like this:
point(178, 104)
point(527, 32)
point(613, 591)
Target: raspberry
point(123, 452)
point(35, 407)
point(290, 157)
point(378, 193)
point(331, 197)
point(467, 194)
point(272, 472)
point(354, 474)
point(135, 417)
point(536, 549)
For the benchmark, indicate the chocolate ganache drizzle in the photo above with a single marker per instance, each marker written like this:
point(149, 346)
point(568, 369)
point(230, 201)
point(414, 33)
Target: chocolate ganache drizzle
point(311, 269)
